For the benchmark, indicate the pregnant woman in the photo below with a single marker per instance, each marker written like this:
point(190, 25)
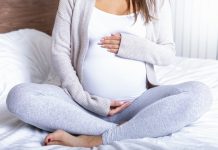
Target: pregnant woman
point(104, 52)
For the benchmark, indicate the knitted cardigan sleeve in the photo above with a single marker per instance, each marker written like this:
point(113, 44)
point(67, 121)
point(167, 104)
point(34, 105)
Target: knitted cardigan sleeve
point(160, 52)
point(61, 50)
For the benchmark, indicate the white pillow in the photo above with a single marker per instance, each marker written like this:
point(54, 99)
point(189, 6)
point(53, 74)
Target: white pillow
point(24, 57)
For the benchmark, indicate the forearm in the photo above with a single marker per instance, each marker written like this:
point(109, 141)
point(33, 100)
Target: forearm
point(141, 49)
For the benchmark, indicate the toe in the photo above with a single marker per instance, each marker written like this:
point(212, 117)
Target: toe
point(60, 137)
point(48, 138)
point(55, 136)
point(55, 143)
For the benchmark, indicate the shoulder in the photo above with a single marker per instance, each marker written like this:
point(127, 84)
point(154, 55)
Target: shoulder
point(71, 4)
point(160, 4)
point(69, 8)
point(67, 1)
point(66, 4)
point(162, 7)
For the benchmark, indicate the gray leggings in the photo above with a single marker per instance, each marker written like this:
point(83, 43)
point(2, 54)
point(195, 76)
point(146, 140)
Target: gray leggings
point(159, 111)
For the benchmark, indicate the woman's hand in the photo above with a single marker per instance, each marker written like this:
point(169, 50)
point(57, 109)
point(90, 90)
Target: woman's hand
point(117, 106)
point(111, 43)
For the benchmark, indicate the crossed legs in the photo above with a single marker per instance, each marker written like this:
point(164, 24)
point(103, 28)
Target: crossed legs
point(159, 111)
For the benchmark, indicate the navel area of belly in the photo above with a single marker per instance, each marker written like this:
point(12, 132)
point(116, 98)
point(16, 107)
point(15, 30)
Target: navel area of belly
point(108, 75)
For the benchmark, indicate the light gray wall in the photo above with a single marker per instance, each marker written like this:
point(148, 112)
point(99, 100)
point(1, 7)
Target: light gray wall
point(196, 28)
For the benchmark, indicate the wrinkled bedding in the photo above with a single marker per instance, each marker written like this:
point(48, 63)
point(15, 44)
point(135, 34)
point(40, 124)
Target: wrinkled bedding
point(25, 57)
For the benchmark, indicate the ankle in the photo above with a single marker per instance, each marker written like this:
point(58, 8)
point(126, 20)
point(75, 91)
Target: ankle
point(96, 140)
point(90, 140)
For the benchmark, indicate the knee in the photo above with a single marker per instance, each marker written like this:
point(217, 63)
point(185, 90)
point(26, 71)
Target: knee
point(202, 94)
point(16, 97)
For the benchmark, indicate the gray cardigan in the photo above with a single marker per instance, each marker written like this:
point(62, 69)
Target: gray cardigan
point(70, 43)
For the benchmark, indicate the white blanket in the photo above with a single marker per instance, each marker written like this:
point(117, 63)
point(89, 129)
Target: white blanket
point(25, 57)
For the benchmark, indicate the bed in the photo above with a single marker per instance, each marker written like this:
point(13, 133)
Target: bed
point(25, 57)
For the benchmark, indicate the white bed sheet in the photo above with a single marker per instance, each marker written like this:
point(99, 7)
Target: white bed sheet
point(14, 134)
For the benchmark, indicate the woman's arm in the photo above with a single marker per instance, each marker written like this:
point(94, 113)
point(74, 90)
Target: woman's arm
point(160, 52)
point(61, 50)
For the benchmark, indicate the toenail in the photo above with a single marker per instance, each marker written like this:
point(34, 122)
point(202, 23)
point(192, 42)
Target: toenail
point(49, 140)
point(45, 143)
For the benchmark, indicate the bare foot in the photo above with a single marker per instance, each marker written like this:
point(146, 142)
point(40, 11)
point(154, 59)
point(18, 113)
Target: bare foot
point(61, 137)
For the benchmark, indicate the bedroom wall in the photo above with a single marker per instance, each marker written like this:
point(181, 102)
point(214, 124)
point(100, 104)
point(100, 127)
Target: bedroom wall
point(37, 14)
point(196, 28)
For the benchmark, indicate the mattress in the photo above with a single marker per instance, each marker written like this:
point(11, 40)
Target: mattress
point(25, 57)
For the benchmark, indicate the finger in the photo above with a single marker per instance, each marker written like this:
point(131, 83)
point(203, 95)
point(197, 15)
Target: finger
point(115, 111)
point(111, 38)
point(109, 46)
point(124, 104)
point(113, 50)
point(114, 42)
point(116, 34)
point(119, 109)
point(116, 103)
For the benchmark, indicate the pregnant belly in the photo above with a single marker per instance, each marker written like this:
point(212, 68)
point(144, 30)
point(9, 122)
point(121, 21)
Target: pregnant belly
point(114, 77)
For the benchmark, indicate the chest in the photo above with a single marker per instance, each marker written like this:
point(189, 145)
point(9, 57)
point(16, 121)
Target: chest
point(103, 24)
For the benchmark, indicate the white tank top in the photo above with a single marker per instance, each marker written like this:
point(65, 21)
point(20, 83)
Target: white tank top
point(105, 74)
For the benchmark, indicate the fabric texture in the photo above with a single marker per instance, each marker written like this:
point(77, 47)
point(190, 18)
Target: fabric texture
point(157, 112)
point(70, 43)
point(105, 74)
